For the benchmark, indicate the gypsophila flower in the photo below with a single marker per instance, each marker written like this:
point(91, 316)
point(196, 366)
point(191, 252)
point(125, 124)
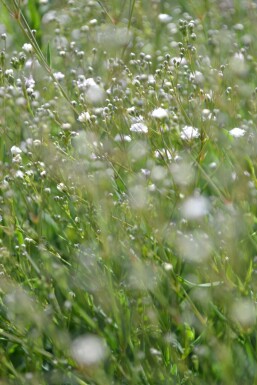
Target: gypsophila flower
point(189, 132)
point(131, 110)
point(139, 127)
point(164, 18)
point(159, 113)
point(84, 117)
point(121, 138)
point(93, 22)
point(237, 132)
point(88, 350)
point(15, 150)
point(8, 72)
point(167, 266)
point(29, 82)
point(19, 174)
point(59, 75)
point(66, 126)
point(61, 187)
point(27, 47)
point(17, 159)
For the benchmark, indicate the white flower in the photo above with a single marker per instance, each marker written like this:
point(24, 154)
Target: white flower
point(164, 18)
point(167, 266)
point(195, 207)
point(237, 132)
point(121, 138)
point(139, 127)
point(17, 159)
point(131, 110)
point(29, 82)
point(58, 76)
point(19, 174)
point(207, 115)
point(159, 113)
point(93, 22)
point(8, 72)
point(37, 142)
point(196, 77)
point(27, 47)
point(178, 60)
point(84, 117)
point(61, 187)
point(15, 150)
point(94, 92)
point(66, 126)
point(189, 132)
point(88, 350)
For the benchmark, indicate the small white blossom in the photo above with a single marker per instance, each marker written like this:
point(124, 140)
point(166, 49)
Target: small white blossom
point(159, 113)
point(19, 174)
point(207, 115)
point(61, 187)
point(88, 350)
point(27, 47)
point(84, 117)
point(8, 72)
point(17, 159)
point(29, 83)
point(131, 110)
point(195, 207)
point(139, 127)
point(37, 142)
point(29, 172)
point(164, 18)
point(196, 77)
point(15, 150)
point(167, 266)
point(66, 126)
point(237, 132)
point(59, 76)
point(94, 92)
point(189, 132)
point(93, 22)
point(43, 174)
point(121, 138)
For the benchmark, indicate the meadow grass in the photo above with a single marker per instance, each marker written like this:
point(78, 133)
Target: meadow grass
point(128, 190)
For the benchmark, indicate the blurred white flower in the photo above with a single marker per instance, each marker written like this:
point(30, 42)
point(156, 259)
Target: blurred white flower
point(94, 92)
point(244, 312)
point(159, 113)
point(61, 187)
point(195, 207)
point(84, 117)
point(189, 132)
point(15, 150)
point(139, 127)
point(27, 47)
point(88, 350)
point(122, 138)
point(196, 77)
point(164, 18)
point(59, 76)
point(194, 247)
point(19, 174)
point(237, 132)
